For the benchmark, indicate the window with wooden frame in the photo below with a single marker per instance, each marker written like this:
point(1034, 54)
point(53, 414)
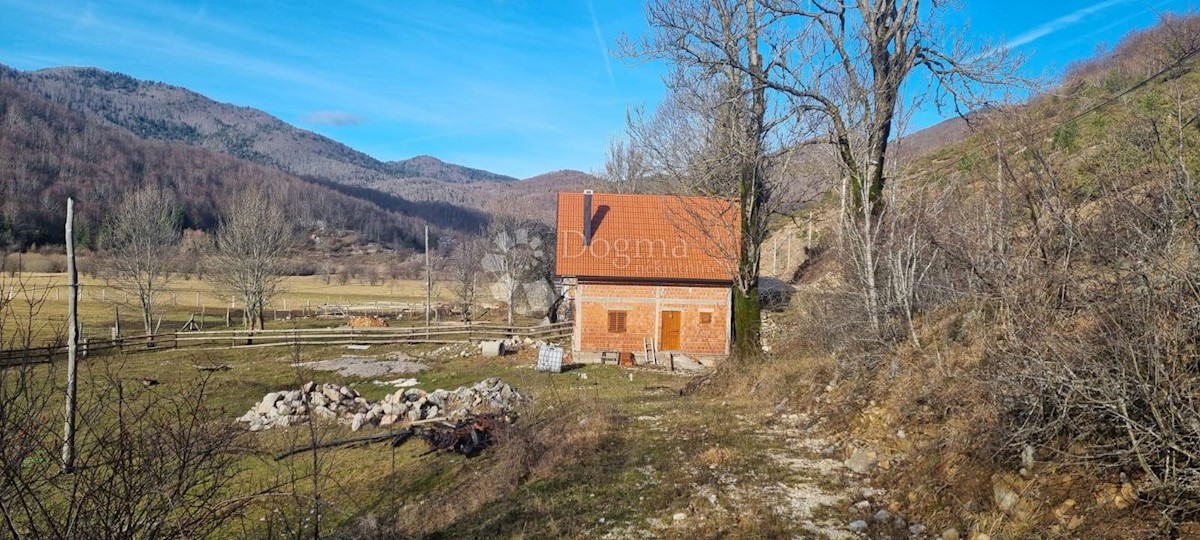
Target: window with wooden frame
point(705, 317)
point(616, 322)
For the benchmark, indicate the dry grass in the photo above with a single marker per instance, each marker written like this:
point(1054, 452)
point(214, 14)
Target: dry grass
point(606, 447)
point(186, 298)
point(543, 446)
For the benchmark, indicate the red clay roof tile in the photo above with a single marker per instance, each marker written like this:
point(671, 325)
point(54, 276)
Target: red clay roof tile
point(648, 237)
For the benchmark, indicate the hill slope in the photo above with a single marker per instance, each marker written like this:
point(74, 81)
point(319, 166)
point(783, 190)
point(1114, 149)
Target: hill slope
point(49, 153)
point(1038, 376)
point(533, 198)
point(159, 111)
point(431, 167)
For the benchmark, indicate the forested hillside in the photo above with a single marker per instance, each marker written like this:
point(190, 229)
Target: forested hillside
point(48, 153)
point(431, 167)
point(158, 111)
point(533, 198)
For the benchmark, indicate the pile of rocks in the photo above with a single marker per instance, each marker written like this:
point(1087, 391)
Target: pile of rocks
point(454, 350)
point(289, 407)
point(343, 404)
point(415, 404)
point(887, 522)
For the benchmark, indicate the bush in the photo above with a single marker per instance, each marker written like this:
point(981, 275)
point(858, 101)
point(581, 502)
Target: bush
point(132, 444)
point(301, 268)
point(43, 263)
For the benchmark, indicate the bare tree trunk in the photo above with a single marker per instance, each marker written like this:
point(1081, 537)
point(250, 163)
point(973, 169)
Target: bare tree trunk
point(512, 299)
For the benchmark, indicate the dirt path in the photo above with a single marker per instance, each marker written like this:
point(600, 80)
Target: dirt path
point(792, 474)
point(817, 489)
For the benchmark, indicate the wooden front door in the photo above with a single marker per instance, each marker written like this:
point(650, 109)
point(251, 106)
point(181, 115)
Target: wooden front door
point(668, 339)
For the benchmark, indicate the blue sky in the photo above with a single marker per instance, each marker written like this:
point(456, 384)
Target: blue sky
point(519, 87)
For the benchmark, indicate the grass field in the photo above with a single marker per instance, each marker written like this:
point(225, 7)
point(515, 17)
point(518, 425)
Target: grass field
point(599, 451)
point(618, 449)
point(100, 302)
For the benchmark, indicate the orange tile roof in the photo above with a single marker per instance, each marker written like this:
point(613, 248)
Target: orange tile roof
point(648, 237)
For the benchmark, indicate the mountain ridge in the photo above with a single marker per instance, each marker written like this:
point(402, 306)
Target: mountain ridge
point(162, 111)
point(51, 152)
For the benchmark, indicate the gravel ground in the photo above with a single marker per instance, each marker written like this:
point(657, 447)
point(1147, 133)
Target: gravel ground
point(368, 366)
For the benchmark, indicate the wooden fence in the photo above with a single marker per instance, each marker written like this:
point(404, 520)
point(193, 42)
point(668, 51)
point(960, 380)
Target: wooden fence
point(236, 339)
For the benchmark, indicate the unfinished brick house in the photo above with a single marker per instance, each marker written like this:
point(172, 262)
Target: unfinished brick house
point(648, 270)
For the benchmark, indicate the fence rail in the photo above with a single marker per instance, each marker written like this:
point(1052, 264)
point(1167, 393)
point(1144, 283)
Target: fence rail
point(236, 339)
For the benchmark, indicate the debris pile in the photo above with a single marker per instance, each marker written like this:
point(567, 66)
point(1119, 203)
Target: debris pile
point(467, 436)
point(368, 322)
point(289, 407)
point(343, 404)
point(454, 350)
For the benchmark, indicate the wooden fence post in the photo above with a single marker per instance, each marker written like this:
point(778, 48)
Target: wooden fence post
point(68, 448)
point(775, 255)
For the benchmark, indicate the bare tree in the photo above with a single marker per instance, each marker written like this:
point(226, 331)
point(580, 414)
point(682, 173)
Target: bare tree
point(719, 130)
point(549, 277)
point(867, 53)
point(253, 242)
point(513, 258)
point(327, 269)
point(786, 77)
point(465, 268)
point(624, 166)
point(371, 275)
point(140, 244)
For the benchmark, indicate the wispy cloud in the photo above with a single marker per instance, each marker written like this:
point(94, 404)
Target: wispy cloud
point(334, 118)
point(505, 85)
point(160, 38)
point(600, 41)
point(1045, 29)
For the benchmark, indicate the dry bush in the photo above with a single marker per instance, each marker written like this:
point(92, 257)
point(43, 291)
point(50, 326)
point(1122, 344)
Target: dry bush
point(1140, 53)
point(302, 268)
point(38, 263)
point(412, 268)
point(1088, 277)
point(1058, 319)
point(151, 463)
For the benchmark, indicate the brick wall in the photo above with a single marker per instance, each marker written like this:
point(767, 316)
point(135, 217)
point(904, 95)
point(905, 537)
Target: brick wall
point(643, 305)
